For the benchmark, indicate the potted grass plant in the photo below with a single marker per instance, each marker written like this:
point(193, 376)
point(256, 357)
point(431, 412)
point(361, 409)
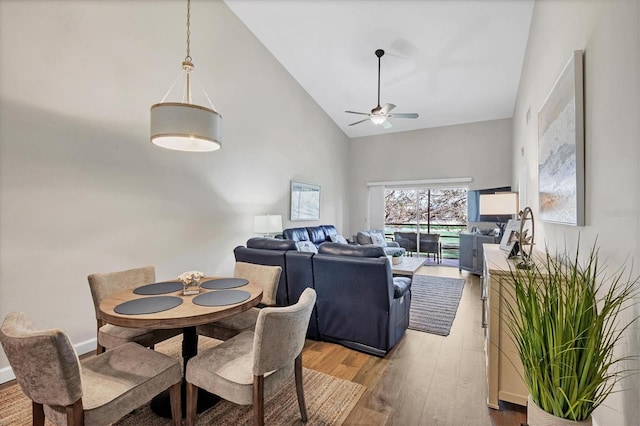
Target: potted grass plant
point(566, 317)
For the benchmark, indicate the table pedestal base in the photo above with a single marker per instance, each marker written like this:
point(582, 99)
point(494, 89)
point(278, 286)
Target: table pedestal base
point(161, 404)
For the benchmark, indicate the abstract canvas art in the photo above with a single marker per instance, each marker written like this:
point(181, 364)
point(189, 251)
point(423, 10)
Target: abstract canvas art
point(561, 148)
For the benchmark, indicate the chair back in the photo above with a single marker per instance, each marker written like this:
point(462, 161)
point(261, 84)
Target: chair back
point(106, 284)
point(267, 276)
point(429, 243)
point(280, 333)
point(43, 361)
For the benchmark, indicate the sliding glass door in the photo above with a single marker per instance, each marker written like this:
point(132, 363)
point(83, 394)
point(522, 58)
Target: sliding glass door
point(428, 211)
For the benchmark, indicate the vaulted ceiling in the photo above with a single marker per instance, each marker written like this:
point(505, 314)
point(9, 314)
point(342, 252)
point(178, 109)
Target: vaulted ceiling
point(450, 61)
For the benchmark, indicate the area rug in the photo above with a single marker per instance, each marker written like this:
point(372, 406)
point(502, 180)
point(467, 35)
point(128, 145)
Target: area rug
point(434, 303)
point(329, 401)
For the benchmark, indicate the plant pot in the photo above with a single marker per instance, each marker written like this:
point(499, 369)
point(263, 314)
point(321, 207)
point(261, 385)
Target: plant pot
point(536, 416)
point(396, 260)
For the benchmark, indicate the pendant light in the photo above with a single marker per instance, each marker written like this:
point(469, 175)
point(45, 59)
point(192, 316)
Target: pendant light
point(184, 126)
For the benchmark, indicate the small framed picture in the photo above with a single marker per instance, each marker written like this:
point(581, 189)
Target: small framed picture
point(510, 236)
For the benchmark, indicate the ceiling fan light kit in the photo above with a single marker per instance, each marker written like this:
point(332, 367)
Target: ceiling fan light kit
point(380, 115)
point(183, 126)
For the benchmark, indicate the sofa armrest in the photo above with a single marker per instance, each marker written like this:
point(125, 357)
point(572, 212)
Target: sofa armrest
point(392, 244)
point(401, 285)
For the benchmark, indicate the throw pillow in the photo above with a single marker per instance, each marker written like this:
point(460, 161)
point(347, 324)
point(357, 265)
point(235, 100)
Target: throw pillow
point(306, 246)
point(338, 239)
point(378, 239)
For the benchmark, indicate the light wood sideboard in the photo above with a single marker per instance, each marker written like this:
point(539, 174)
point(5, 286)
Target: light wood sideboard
point(503, 366)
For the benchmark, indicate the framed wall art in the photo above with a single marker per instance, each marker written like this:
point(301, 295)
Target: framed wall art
point(305, 201)
point(561, 147)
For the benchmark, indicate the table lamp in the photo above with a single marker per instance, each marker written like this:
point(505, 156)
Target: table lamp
point(268, 224)
point(501, 206)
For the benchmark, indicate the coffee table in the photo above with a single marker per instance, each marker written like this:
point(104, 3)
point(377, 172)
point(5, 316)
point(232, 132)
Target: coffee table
point(408, 266)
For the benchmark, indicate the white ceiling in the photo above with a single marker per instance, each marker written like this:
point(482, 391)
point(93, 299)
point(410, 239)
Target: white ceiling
point(451, 61)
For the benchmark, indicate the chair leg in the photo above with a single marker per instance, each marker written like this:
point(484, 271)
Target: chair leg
point(299, 388)
point(192, 403)
point(176, 404)
point(258, 400)
point(37, 411)
point(75, 414)
point(99, 349)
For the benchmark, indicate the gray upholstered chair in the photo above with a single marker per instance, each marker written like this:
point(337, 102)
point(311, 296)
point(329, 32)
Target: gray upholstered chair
point(106, 284)
point(252, 365)
point(98, 391)
point(268, 277)
point(430, 244)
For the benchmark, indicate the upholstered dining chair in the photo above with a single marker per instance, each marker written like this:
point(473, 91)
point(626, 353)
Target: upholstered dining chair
point(98, 391)
point(254, 364)
point(106, 284)
point(268, 277)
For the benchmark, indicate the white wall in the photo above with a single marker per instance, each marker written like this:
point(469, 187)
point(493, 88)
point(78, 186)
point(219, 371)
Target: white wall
point(82, 189)
point(480, 150)
point(609, 33)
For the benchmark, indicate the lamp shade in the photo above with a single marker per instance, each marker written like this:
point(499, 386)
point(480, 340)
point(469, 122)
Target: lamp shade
point(185, 127)
point(268, 224)
point(499, 204)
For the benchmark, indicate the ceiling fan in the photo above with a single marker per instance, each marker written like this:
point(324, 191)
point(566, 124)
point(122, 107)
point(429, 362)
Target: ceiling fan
point(380, 115)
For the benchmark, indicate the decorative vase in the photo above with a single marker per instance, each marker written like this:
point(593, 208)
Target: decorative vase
point(191, 288)
point(536, 416)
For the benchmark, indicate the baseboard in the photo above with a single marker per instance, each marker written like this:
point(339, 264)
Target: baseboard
point(6, 373)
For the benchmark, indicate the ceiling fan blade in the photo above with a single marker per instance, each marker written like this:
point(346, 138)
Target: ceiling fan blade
point(360, 113)
point(386, 124)
point(386, 108)
point(404, 115)
point(358, 122)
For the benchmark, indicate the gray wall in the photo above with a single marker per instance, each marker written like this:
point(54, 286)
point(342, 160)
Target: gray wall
point(82, 189)
point(480, 150)
point(609, 33)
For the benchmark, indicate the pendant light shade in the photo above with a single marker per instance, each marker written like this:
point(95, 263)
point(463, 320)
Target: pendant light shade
point(185, 127)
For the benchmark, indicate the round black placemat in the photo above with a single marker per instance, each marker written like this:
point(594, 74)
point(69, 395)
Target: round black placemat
point(222, 283)
point(221, 297)
point(158, 288)
point(148, 305)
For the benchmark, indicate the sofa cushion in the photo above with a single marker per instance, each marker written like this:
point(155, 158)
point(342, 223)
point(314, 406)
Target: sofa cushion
point(401, 286)
point(270, 244)
point(351, 250)
point(296, 234)
point(316, 234)
point(378, 239)
point(329, 230)
point(338, 239)
point(306, 246)
point(363, 237)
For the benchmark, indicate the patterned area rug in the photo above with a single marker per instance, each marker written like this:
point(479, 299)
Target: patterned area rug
point(434, 303)
point(329, 401)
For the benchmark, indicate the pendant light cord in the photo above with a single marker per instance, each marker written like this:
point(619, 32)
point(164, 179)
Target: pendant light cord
point(188, 58)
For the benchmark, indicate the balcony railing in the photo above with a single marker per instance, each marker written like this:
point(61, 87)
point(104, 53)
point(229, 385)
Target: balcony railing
point(449, 235)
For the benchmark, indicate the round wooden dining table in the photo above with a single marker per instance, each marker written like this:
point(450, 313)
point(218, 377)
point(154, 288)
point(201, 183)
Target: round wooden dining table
point(187, 315)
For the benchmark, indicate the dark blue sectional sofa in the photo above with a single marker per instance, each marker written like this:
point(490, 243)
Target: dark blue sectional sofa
point(359, 303)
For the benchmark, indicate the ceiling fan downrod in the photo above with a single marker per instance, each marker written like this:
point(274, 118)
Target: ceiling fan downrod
point(379, 54)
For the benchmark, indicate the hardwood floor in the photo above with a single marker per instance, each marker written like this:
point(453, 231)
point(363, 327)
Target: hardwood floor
point(426, 379)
